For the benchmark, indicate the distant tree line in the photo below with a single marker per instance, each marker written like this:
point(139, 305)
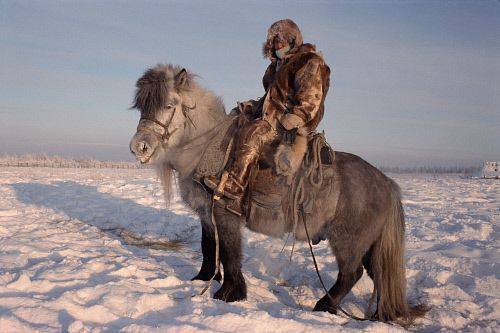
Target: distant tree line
point(43, 160)
point(467, 170)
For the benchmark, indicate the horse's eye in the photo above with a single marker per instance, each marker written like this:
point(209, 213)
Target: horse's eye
point(170, 106)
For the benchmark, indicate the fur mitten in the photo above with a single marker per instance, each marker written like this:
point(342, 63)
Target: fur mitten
point(288, 158)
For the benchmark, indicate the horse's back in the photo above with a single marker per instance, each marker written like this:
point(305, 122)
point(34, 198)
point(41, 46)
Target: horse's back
point(348, 184)
point(357, 175)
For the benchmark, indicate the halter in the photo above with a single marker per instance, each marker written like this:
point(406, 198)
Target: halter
point(166, 133)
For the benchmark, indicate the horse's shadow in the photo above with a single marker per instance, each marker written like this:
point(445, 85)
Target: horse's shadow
point(109, 213)
point(87, 204)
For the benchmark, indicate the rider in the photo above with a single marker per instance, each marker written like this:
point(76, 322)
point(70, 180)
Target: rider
point(296, 83)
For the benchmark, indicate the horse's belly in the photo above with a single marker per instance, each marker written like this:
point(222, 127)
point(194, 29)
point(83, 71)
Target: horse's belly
point(320, 207)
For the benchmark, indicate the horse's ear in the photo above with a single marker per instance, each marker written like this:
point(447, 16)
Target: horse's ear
point(181, 78)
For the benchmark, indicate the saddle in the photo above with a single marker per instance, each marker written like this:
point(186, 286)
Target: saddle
point(275, 194)
point(277, 202)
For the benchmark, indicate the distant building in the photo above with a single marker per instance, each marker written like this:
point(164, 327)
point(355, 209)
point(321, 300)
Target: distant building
point(491, 169)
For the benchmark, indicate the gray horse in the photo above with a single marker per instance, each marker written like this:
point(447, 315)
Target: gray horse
point(358, 209)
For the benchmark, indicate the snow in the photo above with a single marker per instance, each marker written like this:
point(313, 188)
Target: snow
point(66, 263)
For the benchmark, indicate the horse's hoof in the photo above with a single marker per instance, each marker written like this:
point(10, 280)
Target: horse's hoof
point(203, 276)
point(231, 293)
point(325, 306)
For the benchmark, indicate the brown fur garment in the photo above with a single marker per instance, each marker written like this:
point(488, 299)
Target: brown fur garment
point(299, 86)
point(288, 158)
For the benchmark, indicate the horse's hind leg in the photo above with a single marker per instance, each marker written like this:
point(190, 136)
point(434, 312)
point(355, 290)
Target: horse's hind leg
point(349, 252)
point(228, 225)
point(208, 265)
point(349, 273)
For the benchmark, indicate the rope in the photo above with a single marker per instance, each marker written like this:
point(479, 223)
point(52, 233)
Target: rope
point(214, 223)
point(312, 163)
point(217, 251)
point(298, 197)
point(321, 280)
point(312, 171)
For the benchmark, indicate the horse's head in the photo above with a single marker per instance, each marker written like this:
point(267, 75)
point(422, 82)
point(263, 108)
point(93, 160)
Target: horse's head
point(162, 97)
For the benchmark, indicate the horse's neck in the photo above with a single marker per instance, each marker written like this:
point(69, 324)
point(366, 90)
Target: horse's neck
point(188, 155)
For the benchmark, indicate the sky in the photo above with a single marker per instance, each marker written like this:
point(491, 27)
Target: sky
point(412, 84)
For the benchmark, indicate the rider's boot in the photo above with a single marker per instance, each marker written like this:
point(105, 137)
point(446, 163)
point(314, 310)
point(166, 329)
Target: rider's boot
point(234, 181)
point(230, 188)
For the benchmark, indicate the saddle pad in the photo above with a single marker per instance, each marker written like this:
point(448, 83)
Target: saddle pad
point(215, 155)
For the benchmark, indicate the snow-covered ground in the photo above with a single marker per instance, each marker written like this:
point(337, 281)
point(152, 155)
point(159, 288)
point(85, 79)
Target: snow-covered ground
point(66, 263)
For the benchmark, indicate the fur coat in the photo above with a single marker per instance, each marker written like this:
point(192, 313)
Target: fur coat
point(296, 87)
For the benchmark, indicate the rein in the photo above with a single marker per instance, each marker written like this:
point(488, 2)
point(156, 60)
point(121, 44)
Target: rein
point(321, 280)
point(311, 169)
point(217, 250)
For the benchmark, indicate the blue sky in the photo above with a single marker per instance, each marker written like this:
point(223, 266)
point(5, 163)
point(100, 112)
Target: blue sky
point(413, 83)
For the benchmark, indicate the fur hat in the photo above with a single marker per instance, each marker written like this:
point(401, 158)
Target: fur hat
point(286, 29)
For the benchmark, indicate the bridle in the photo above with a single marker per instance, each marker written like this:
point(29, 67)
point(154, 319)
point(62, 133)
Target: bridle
point(165, 136)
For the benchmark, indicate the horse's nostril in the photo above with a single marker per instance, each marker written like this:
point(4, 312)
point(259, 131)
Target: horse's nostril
point(144, 147)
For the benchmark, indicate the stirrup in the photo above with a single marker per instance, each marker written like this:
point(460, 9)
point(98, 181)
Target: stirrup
point(235, 207)
point(234, 204)
point(218, 189)
point(210, 183)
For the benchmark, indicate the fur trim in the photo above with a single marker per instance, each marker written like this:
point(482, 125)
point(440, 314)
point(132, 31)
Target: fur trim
point(288, 30)
point(288, 158)
point(291, 121)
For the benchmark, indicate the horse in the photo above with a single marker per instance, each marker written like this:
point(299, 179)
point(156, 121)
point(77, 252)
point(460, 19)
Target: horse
point(358, 209)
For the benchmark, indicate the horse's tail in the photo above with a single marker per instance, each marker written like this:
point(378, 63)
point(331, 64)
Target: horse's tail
point(388, 266)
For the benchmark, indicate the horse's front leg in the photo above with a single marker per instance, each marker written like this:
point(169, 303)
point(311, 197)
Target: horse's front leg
point(208, 265)
point(229, 231)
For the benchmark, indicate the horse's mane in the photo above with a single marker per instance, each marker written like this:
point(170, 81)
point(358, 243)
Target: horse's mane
point(153, 86)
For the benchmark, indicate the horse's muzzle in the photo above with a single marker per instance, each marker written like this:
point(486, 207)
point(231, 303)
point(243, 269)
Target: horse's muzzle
point(143, 146)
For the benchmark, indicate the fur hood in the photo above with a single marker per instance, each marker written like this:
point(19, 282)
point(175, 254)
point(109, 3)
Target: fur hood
point(288, 30)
